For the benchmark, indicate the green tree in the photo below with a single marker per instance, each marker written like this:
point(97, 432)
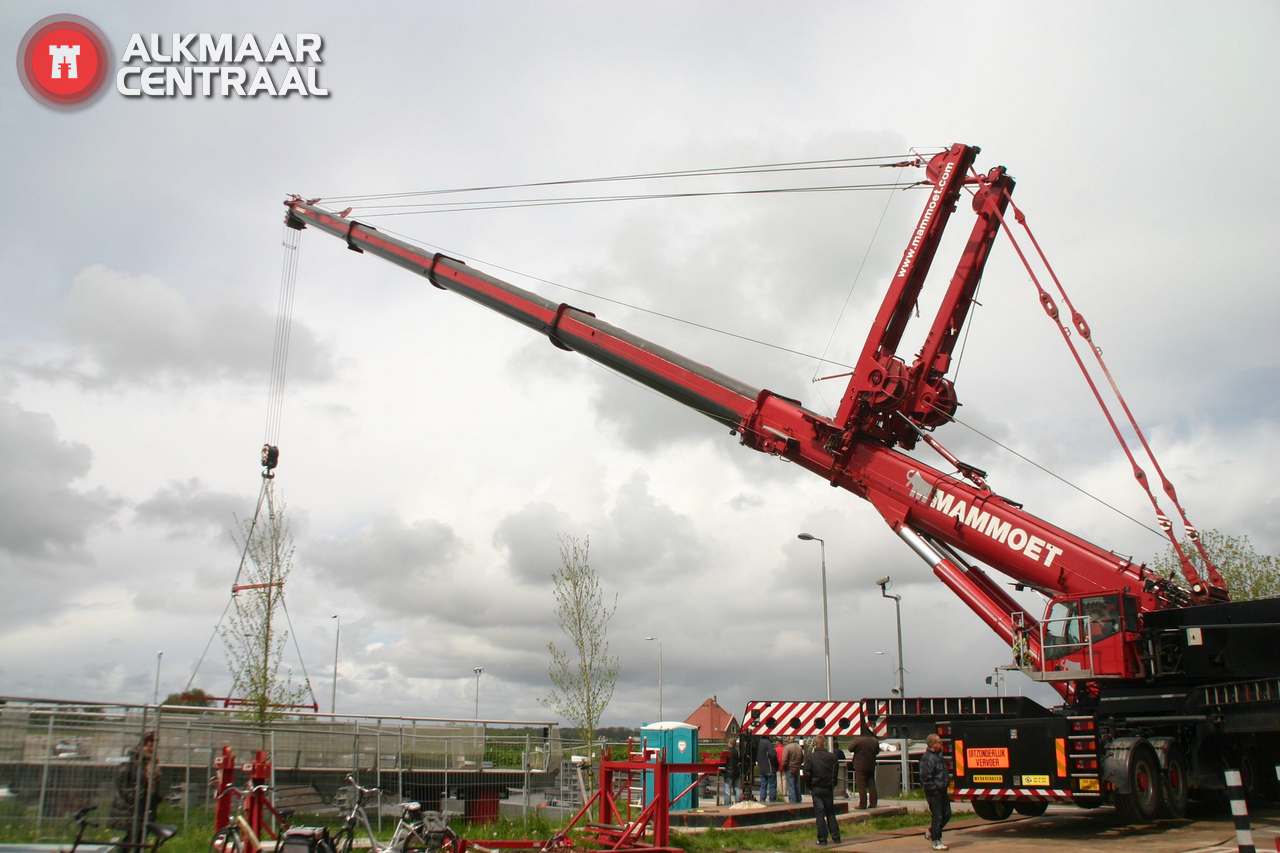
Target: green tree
point(194, 697)
point(583, 677)
point(1248, 574)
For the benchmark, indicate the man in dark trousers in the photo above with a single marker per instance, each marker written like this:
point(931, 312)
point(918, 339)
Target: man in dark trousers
point(865, 749)
point(731, 771)
point(767, 767)
point(934, 777)
point(821, 768)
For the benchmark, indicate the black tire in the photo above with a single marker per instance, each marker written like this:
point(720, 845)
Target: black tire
point(225, 840)
point(1143, 802)
point(342, 840)
point(1031, 808)
point(992, 809)
point(1176, 784)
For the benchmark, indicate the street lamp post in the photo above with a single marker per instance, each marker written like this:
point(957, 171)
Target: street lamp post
point(155, 696)
point(477, 671)
point(826, 634)
point(883, 583)
point(333, 697)
point(659, 641)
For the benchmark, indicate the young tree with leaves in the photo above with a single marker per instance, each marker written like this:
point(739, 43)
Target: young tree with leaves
point(1248, 574)
point(582, 677)
point(253, 636)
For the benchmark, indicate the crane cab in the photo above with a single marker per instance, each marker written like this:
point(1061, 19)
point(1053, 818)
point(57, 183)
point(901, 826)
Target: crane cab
point(1090, 636)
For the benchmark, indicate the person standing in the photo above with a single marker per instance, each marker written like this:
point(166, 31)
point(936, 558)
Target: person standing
point(793, 757)
point(780, 751)
point(767, 767)
point(732, 772)
point(934, 777)
point(865, 750)
point(138, 781)
point(821, 768)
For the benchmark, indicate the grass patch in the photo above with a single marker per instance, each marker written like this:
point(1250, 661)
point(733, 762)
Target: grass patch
point(801, 838)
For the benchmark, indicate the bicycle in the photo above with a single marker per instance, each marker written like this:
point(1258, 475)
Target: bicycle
point(417, 829)
point(161, 832)
point(238, 836)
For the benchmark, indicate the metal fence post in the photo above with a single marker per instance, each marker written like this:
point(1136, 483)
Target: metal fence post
point(377, 768)
point(527, 779)
point(271, 744)
point(400, 761)
point(186, 783)
point(44, 773)
point(208, 775)
point(906, 765)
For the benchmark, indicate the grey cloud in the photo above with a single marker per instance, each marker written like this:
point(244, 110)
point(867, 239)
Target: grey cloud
point(645, 538)
point(387, 554)
point(186, 507)
point(530, 539)
point(126, 328)
point(42, 513)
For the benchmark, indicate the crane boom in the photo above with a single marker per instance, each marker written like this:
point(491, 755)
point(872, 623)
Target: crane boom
point(939, 515)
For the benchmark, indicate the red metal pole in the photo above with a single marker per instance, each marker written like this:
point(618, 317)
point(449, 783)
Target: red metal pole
point(225, 764)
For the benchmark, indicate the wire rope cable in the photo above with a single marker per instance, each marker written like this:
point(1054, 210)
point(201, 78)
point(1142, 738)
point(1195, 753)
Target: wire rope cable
point(868, 161)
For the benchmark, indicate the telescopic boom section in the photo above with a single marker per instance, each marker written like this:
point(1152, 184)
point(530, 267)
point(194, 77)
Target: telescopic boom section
point(937, 514)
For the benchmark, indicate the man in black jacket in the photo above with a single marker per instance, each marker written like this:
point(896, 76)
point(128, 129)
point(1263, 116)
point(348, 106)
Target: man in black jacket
point(821, 768)
point(934, 777)
point(865, 750)
point(767, 767)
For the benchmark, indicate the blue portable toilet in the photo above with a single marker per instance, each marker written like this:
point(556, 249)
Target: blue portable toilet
point(679, 741)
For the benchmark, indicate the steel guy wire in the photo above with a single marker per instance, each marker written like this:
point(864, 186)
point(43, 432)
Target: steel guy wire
point(759, 168)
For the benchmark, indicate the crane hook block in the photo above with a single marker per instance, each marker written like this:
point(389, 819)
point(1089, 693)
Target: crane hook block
point(270, 458)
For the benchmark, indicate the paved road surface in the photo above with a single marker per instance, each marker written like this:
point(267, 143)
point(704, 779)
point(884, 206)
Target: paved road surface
point(1084, 830)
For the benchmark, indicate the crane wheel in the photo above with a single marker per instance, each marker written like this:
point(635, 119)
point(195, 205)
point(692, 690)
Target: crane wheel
point(1142, 804)
point(992, 809)
point(1031, 808)
point(1175, 784)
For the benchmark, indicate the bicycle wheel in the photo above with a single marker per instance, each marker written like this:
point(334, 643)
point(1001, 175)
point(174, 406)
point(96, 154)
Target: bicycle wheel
point(226, 840)
point(342, 840)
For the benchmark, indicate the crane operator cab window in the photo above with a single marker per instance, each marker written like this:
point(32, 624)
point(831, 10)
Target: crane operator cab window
point(1073, 624)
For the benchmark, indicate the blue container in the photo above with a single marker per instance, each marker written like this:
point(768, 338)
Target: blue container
point(679, 742)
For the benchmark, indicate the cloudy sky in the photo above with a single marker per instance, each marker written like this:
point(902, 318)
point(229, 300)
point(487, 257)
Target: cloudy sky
point(432, 452)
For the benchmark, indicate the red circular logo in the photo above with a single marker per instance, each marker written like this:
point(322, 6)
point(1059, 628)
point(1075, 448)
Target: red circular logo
point(64, 61)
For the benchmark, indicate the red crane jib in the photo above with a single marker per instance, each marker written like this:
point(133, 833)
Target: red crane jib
point(886, 404)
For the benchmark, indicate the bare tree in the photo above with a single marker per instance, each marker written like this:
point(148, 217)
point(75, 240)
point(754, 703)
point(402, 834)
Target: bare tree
point(583, 677)
point(253, 637)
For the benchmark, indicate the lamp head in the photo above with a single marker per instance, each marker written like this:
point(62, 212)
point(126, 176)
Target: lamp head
point(883, 582)
point(478, 670)
point(807, 537)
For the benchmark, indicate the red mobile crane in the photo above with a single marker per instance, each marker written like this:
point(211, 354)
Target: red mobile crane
point(1116, 642)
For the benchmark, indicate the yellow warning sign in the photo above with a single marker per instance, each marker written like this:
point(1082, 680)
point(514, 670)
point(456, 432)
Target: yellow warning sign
point(1028, 781)
point(987, 779)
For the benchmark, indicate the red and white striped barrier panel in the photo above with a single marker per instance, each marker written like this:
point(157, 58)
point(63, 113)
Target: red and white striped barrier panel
point(803, 718)
point(1050, 794)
